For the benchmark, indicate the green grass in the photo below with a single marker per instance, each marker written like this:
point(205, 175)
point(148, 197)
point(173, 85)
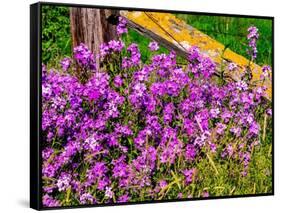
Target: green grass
point(143, 42)
point(232, 31)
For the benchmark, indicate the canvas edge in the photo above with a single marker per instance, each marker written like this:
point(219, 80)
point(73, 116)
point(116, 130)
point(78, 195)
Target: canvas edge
point(35, 70)
point(35, 100)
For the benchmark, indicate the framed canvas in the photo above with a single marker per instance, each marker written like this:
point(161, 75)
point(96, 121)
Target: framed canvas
point(133, 106)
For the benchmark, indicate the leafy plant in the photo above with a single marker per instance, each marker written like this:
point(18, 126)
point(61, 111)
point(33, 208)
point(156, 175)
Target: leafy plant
point(56, 39)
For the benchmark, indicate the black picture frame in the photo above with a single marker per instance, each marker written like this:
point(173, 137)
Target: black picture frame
point(36, 102)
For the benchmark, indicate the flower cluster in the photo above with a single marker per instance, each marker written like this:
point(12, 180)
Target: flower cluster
point(113, 46)
point(252, 39)
point(65, 63)
point(122, 26)
point(266, 72)
point(125, 137)
point(134, 58)
point(84, 57)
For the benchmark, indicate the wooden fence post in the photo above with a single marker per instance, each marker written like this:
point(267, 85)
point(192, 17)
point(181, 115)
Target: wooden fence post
point(92, 27)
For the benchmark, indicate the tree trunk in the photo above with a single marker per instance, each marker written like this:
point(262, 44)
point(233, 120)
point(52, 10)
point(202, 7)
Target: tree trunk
point(92, 27)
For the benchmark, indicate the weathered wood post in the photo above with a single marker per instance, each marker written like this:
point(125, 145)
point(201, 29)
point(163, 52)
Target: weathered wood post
point(92, 27)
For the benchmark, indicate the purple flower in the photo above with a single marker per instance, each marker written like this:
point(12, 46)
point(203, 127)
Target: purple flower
point(63, 181)
point(168, 112)
point(65, 63)
point(180, 195)
point(103, 183)
point(189, 127)
point(252, 39)
point(108, 192)
point(153, 46)
point(99, 169)
point(214, 112)
point(190, 152)
point(49, 201)
point(162, 184)
point(220, 128)
point(202, 119)
point(242, 85)
point(113, 46)
point(123, 130)
point(116, 45)
point(266, 69)
point(269, 112)
point(118, 81)
point(245, 159)
point(49, 170)
point(171, 146)
point(84, 57)
point(92, 143)
point(123, 198)
point(86, 198)
point(236, 131)
point(205, 194)
point(157, 89)
point(201, 140)
point(164, 62)
point(229, 150)
point(226, 116)
point(213, 147)
point(254, 128)
point(199, 64)
point(134, 59)
point(104, 50)
point(232, 66)
point(97, 172)
point(47, 152)
point(122, 26)
point(266, 72)
point(189, 175)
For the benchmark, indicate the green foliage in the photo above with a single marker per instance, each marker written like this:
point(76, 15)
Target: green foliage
point(232, 31)
point(56, 37)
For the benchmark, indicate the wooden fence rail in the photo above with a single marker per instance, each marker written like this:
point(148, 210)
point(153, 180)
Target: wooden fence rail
point(176, 34)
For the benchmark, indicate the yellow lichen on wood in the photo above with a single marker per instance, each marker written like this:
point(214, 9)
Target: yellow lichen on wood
point(176, 34)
